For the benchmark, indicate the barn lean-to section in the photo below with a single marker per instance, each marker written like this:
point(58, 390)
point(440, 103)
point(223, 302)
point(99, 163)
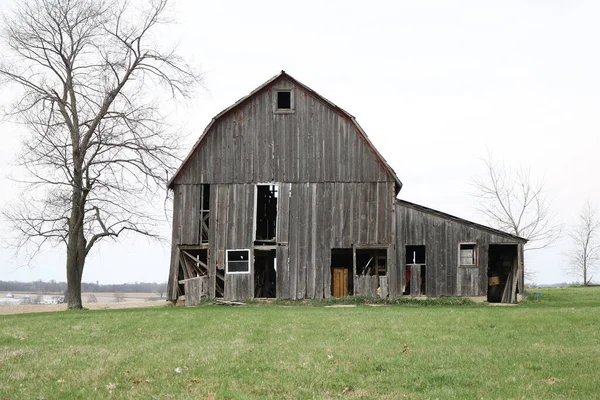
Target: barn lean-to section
point(284, 196)
point(450, 256)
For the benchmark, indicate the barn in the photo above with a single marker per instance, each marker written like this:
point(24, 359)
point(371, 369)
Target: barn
point(284, 196)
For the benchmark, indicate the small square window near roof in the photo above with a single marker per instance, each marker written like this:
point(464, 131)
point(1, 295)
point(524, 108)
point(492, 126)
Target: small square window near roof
point(284, 99)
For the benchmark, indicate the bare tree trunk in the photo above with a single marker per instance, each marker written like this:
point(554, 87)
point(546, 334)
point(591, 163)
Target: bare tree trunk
point(76, 244)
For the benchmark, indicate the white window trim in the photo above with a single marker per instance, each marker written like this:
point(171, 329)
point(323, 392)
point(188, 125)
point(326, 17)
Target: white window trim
point(290, 110)
point(476, 255)
point(237, 272)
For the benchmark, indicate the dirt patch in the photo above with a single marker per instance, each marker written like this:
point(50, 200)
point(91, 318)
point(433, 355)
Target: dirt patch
point(33, 308)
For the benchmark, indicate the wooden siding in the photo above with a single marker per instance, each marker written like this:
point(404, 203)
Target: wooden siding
point(255, 144)
point(441, 237)
point(312, 218)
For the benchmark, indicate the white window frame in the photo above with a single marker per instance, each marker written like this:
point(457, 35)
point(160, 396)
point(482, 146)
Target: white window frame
point(275, 101)
point(237, 272)
point(475, 255)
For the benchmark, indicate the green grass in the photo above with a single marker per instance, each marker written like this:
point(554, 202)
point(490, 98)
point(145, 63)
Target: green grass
point(543, 349)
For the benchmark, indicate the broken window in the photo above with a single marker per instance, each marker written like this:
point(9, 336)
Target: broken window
point(372, 262)
point(415, 255)
point(284, 100)
point(237, 262)
point(371, 272)
point(265, 274)
point(266, 213)
point(467, 254)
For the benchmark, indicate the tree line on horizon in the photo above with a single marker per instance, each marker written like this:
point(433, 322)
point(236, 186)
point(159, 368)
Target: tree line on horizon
point(53, 286)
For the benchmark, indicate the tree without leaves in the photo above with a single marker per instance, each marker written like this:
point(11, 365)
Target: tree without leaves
point(97, 150)
point(513, 202)
point(585, 254)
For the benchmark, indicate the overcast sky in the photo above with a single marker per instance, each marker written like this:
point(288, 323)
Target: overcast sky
point(433, 83)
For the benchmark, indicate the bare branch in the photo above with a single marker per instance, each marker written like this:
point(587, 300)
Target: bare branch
point(513, 202)
point(97, 153)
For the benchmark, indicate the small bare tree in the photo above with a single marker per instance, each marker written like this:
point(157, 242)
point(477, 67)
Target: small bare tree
point(585, 253)
point(514, 202)
point(97, 150)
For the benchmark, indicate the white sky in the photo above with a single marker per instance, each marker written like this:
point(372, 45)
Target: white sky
point(433, 83)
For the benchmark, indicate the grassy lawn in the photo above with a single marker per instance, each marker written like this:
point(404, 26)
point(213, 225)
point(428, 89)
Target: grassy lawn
point(549, 348)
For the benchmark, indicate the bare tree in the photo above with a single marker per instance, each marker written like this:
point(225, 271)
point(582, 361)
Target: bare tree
point(585, 253)
point(97, 150)
point(512, 201)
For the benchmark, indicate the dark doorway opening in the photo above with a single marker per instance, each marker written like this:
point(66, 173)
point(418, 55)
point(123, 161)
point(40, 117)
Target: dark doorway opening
point(342, 262)
point(371, 272)
point(266, 214)
point(265, 274)
point(502, 261)
point(415, 272)
point(204, 224)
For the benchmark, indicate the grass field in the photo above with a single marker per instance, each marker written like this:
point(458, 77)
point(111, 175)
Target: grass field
point(549, 348)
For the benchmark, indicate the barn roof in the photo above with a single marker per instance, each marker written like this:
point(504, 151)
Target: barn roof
point(265, 86)
point(444, 215)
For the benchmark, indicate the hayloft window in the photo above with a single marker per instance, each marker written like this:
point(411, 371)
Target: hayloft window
point(238, 262)
point(284, 100)
point(467, 254)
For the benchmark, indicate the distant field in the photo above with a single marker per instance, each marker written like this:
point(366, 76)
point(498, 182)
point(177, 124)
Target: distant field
point(102, 301)
point(544, 349)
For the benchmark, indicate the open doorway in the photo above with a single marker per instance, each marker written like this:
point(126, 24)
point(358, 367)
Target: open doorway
point(265, 274)
point(341, 272)
point(415, 271)
point(502, 262)
point(266, 214)
point(371, 272)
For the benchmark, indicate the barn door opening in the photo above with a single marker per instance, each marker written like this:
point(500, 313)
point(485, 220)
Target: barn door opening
point(502, 272)
point(341, 272)
point(415, 271)
point(371, 272)
point(265, 274)
point(193, 264)
point(266, 214)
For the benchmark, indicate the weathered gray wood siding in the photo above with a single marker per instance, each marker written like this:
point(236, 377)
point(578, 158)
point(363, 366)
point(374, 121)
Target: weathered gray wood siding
point(312, 219)
point(441, 237)
point(334, 192)
point(253, 143)
point(321, 216)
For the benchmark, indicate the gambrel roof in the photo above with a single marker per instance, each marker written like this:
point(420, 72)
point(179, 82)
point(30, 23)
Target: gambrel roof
point(267, 85)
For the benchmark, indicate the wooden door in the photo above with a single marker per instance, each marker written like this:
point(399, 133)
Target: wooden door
point(340, 282)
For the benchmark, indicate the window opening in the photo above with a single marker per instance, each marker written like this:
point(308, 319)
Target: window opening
point(284, 99)
point(266, 214)
point(371, 262)
point(204, 224)
point(265, 274)
point(238, 262)
point(371, 272)
point(468, 255)
point(342, 264)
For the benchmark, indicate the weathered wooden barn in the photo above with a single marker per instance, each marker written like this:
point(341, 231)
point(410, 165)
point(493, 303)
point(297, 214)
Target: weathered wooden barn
point(284, 196)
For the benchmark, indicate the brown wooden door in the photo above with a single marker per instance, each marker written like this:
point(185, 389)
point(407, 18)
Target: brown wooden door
point(340, 282)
